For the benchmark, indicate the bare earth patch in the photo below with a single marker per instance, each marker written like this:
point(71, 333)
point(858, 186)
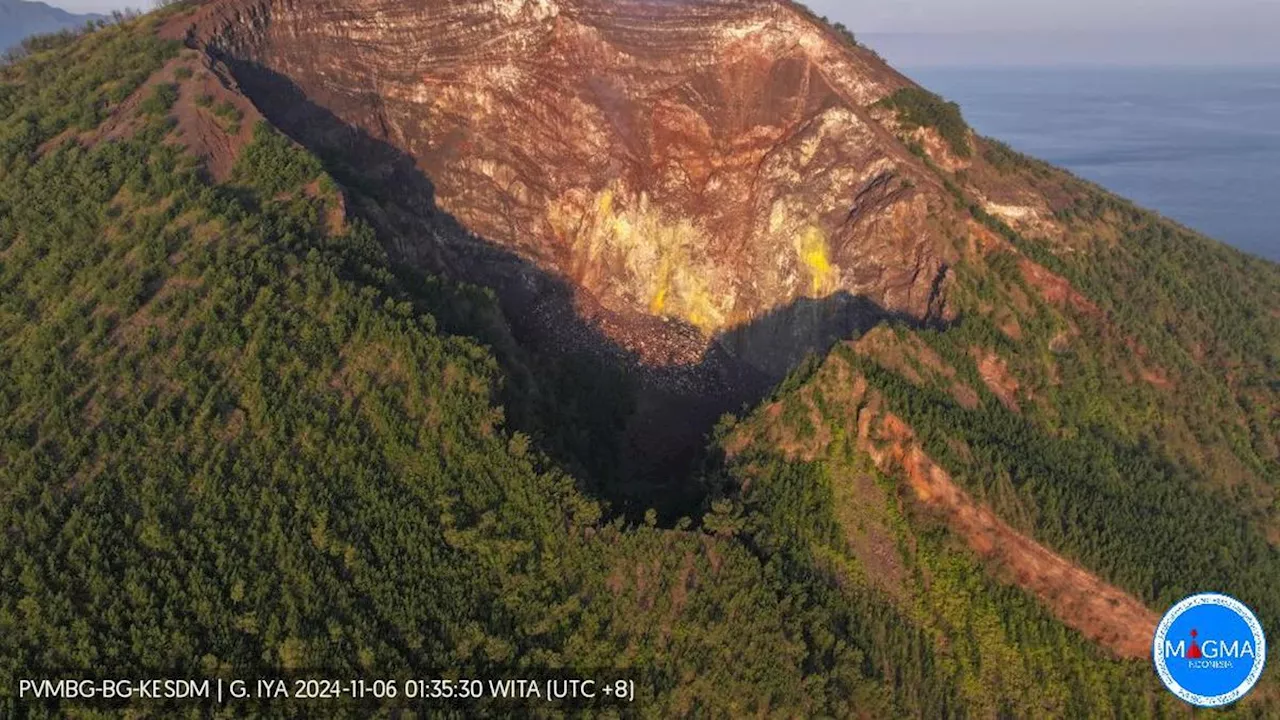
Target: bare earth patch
point(215, 139)
point(1056, 290)
point(997, 377)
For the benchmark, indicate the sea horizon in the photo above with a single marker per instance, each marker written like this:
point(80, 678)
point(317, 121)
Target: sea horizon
point(1199, 145)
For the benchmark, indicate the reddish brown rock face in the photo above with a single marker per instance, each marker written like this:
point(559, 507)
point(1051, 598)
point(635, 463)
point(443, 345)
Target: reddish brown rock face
point(705, 163)
point(701, 189)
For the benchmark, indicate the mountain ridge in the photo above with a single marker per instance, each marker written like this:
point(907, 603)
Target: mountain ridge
point(20, 19)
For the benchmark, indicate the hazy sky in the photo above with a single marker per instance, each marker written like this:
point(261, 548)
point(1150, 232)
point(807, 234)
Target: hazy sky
point(1057, 15)
point(1194, 32)
point(1036, 31)
point(87, 6)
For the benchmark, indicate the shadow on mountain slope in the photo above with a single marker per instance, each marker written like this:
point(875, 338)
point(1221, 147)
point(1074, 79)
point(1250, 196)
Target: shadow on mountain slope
point(635, 429)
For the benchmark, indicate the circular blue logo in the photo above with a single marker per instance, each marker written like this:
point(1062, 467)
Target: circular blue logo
point(1209, 650)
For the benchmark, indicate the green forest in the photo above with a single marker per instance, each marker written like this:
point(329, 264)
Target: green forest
point(918, 108)
point(237, 440)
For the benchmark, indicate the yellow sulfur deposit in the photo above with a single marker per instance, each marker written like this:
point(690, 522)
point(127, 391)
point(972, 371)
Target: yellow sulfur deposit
point(811, 248)
point(648, 260)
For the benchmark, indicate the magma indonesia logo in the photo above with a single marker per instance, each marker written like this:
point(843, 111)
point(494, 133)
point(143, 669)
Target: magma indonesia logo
point(1209, 650)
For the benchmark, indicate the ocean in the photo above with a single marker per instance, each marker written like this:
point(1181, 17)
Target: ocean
point(1200, 146)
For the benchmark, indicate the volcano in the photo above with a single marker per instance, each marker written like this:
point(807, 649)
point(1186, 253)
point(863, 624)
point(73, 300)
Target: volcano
point(704, 192)
point(685, 344)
